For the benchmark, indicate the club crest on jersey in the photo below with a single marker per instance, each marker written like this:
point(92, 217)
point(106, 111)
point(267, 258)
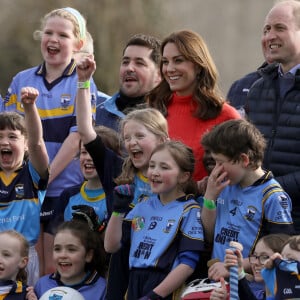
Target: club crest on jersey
point(251, 211)
point(65, 100)
point(169, 226)
point(19, 190)
point(138, 223)
point(283, 201)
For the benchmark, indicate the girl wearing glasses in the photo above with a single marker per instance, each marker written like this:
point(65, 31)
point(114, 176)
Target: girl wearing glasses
point(252, 287)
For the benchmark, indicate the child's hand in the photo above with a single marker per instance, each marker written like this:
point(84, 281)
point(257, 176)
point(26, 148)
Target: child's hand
point(123, 196)
point(233, 258)
point(29, 95)
point(217, 270)
point(219, 293)
point(217, 181)
point(30, 295)
point(85, 68)
point(269, 264)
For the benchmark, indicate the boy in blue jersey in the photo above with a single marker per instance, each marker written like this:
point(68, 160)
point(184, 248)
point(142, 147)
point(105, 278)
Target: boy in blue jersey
point(242, 201)
point(23, 182)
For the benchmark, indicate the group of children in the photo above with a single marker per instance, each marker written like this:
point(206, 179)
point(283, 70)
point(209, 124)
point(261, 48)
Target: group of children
point(149, 216)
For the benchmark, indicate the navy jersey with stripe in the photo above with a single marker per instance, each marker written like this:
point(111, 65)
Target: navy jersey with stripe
point(245, 214)
point(160, 232)
point(21, 197)
point(56, 107)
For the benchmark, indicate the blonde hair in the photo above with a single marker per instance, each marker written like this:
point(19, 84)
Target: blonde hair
point(67, 13)
point(24, 246)
point(153, 121)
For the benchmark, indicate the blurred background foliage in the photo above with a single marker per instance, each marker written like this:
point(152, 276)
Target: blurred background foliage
point(231, 28)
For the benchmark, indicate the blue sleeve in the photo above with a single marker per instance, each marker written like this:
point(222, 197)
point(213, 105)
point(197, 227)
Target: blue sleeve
point(189, 258)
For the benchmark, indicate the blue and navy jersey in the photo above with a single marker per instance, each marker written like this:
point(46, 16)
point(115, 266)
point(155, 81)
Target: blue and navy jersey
point(93, 198)
point(245, 214)
point(159, 233)
point(93, 287)
point(21, 197)
point(142, 188)
point(282, 281)
point(56, 107)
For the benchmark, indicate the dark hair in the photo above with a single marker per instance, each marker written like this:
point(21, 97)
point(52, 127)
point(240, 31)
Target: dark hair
point(206, 96)
point(234, 137)
point(14, 121)
point(91, 240)
point(184, 158)
point(147, 41)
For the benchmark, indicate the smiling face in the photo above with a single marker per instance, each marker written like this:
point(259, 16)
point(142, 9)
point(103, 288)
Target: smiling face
point(11, 260)
point(138, 72)
point(261, 249)
point(165, 176)
point(179, 72)
point(87, 165)
point(139, 142)
point(58, 42)
point(281, 36)
point(12, 148)
point(70, 257)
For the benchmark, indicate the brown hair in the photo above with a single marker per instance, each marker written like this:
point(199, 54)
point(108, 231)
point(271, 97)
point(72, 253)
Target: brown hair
point(234, 137)
point(206, 96)
point(184, 158)
point(147, 41)
point(91, 240)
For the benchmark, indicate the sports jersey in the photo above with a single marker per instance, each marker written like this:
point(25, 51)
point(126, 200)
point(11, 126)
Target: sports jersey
point(141, 188)
point(282, 281)
point(93, 286)
point(21, 197)
point(107, 164)
point(160, 232)
point(93, 198)
point(12, 290)
point(245, 214)
point(56, 107)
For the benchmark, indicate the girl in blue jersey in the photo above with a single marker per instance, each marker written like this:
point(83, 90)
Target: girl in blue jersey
point(14, 255)
point(264, 249)
point(141, 131)
point(23, 181)
point(166, 230)
point(79, 259)
point(62, 33)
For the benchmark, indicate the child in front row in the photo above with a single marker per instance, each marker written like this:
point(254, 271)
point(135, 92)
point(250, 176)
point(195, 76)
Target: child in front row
point(79, 259)
point(24, 174)
point(14, 252)
point(166, 229)
point(242, 201)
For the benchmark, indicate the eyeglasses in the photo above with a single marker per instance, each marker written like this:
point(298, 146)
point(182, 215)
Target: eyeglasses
point(262, 259)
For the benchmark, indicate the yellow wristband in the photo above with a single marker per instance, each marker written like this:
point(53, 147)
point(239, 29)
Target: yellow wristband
point(209, 204)
point(83, 84)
